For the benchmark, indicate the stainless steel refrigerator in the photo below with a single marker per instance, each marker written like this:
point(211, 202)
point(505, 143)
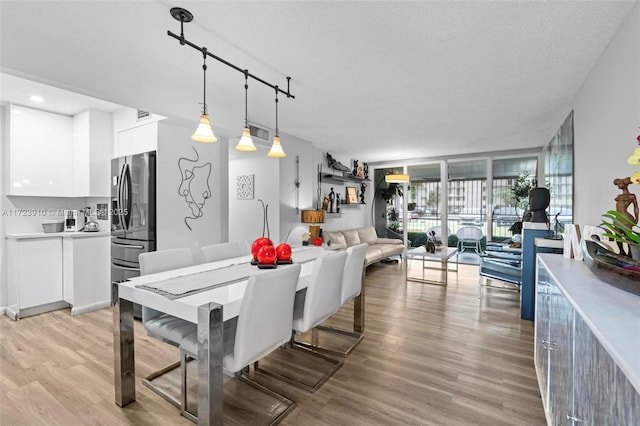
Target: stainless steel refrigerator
point(133, 215)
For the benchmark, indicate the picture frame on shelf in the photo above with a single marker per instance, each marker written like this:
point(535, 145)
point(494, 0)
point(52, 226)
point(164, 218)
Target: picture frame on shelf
point(352, 195)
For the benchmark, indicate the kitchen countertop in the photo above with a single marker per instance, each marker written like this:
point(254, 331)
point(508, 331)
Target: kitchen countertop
point(31, 235)
point(613, 315)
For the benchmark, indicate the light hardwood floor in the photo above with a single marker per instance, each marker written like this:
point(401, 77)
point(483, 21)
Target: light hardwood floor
point(431, 356)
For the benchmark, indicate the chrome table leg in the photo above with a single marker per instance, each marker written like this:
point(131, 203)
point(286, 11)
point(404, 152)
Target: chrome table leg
point(123, 349)
point(210, 348)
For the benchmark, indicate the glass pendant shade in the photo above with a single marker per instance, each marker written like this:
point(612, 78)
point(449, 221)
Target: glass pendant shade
point(276, 149)
point(245, 143)
point(203, 132)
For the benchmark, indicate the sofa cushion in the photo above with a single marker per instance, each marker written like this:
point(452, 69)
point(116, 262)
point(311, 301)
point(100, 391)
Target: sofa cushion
point(335, 238)
point(374, 254)
point(390, 249)
point(351, 237)
point(367, 235)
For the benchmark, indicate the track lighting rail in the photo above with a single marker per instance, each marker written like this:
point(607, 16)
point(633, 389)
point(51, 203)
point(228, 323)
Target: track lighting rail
point(183, 16)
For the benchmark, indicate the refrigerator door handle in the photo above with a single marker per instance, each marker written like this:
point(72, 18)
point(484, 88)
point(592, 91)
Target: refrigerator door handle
point(128, 198)
point(120, 198)
point(131, 246)
point(126, 268)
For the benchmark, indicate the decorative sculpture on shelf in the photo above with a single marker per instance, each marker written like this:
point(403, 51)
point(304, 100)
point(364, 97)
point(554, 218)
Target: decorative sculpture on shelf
point(365, 170)
point(623, 202)
point(332, 196)
point(363, 187)
point(335, 164)
point(338, 203)
point(626, 200)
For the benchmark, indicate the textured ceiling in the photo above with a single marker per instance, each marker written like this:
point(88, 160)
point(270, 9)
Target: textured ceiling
point(376, 81)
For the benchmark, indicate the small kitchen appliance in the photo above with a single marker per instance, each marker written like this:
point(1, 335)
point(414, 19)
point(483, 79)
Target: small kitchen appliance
point(73, 220)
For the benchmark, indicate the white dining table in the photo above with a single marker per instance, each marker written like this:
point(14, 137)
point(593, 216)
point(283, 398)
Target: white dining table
point(207, 307)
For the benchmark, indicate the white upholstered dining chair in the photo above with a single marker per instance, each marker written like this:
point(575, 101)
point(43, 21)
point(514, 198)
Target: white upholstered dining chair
point(161, 326)
point(351, 288)
point(222, 251)
point(263, 324)
point(321, 299)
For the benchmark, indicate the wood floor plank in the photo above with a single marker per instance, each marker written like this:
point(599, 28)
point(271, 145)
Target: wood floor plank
point(431, 355)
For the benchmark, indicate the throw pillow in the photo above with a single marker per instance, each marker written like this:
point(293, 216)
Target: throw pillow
point(352, 237)
point(368, 235)
point(335, 237)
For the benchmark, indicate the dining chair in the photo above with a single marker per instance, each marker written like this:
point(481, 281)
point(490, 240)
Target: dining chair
point(351, 288)
point(222, 251)
point(469, 237)
point(159, 325)
point(321, 299)
point(263, 324)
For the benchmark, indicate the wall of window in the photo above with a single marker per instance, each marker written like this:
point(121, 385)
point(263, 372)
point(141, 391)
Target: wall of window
point(487, 193)
point(558, 174)
point(512, 178)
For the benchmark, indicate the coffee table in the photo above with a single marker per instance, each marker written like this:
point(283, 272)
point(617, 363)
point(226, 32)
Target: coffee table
point(440, 258)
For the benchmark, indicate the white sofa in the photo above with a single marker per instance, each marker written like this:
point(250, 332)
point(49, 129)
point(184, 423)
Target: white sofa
point(379, 248)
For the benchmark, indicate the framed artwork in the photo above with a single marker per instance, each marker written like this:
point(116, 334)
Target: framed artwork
point(244, 187)
point(352, 195)
point(360, 172)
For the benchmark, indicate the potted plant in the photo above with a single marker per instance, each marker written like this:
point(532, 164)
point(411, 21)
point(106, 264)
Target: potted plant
point(619, 224)
point(621, 229)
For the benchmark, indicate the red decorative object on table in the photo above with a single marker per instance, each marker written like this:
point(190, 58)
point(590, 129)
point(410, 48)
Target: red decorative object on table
point(317, 241)
point(267, 255)
point(283, 251)
point(258, 244)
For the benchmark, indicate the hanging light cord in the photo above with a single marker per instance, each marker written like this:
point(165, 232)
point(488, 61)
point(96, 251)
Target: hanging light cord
point(204, 71)
point(246, 90)
point(277, 111)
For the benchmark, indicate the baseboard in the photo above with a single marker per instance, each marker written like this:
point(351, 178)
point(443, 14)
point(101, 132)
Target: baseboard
point(79, 310)
point(11, 313)
point(35, 310)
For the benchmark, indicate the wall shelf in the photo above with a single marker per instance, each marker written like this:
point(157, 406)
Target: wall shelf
point(341, 179)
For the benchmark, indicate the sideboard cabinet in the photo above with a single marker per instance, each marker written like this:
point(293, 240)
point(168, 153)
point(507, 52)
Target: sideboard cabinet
point(587, 342)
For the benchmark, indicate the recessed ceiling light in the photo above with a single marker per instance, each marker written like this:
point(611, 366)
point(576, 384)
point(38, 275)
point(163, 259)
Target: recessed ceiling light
point(36, 98)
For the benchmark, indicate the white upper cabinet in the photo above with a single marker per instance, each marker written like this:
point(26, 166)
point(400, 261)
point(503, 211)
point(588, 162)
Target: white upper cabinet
point(137, 140)
point(92, 132)
point(56, 155)
point(39, 158)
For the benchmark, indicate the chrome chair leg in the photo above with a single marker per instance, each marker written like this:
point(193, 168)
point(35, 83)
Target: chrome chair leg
point(148, 382)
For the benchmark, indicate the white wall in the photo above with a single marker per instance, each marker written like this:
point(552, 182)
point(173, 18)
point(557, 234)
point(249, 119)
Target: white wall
point(3, 269)
point(174, 143)
point(246, 216)
point(606, 121)
point(289, 217)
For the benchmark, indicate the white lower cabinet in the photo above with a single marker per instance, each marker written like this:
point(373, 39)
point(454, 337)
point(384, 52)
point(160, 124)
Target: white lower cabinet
point(34, 272)
point(86, 273)
point(48, 273)
point(580, 384)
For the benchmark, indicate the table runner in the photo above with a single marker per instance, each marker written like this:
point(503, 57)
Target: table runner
point(185, 285)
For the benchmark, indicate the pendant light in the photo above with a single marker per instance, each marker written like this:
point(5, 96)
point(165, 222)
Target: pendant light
point(203, 132)
point(402, 178)
point(246, 143)
point(276, 148)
